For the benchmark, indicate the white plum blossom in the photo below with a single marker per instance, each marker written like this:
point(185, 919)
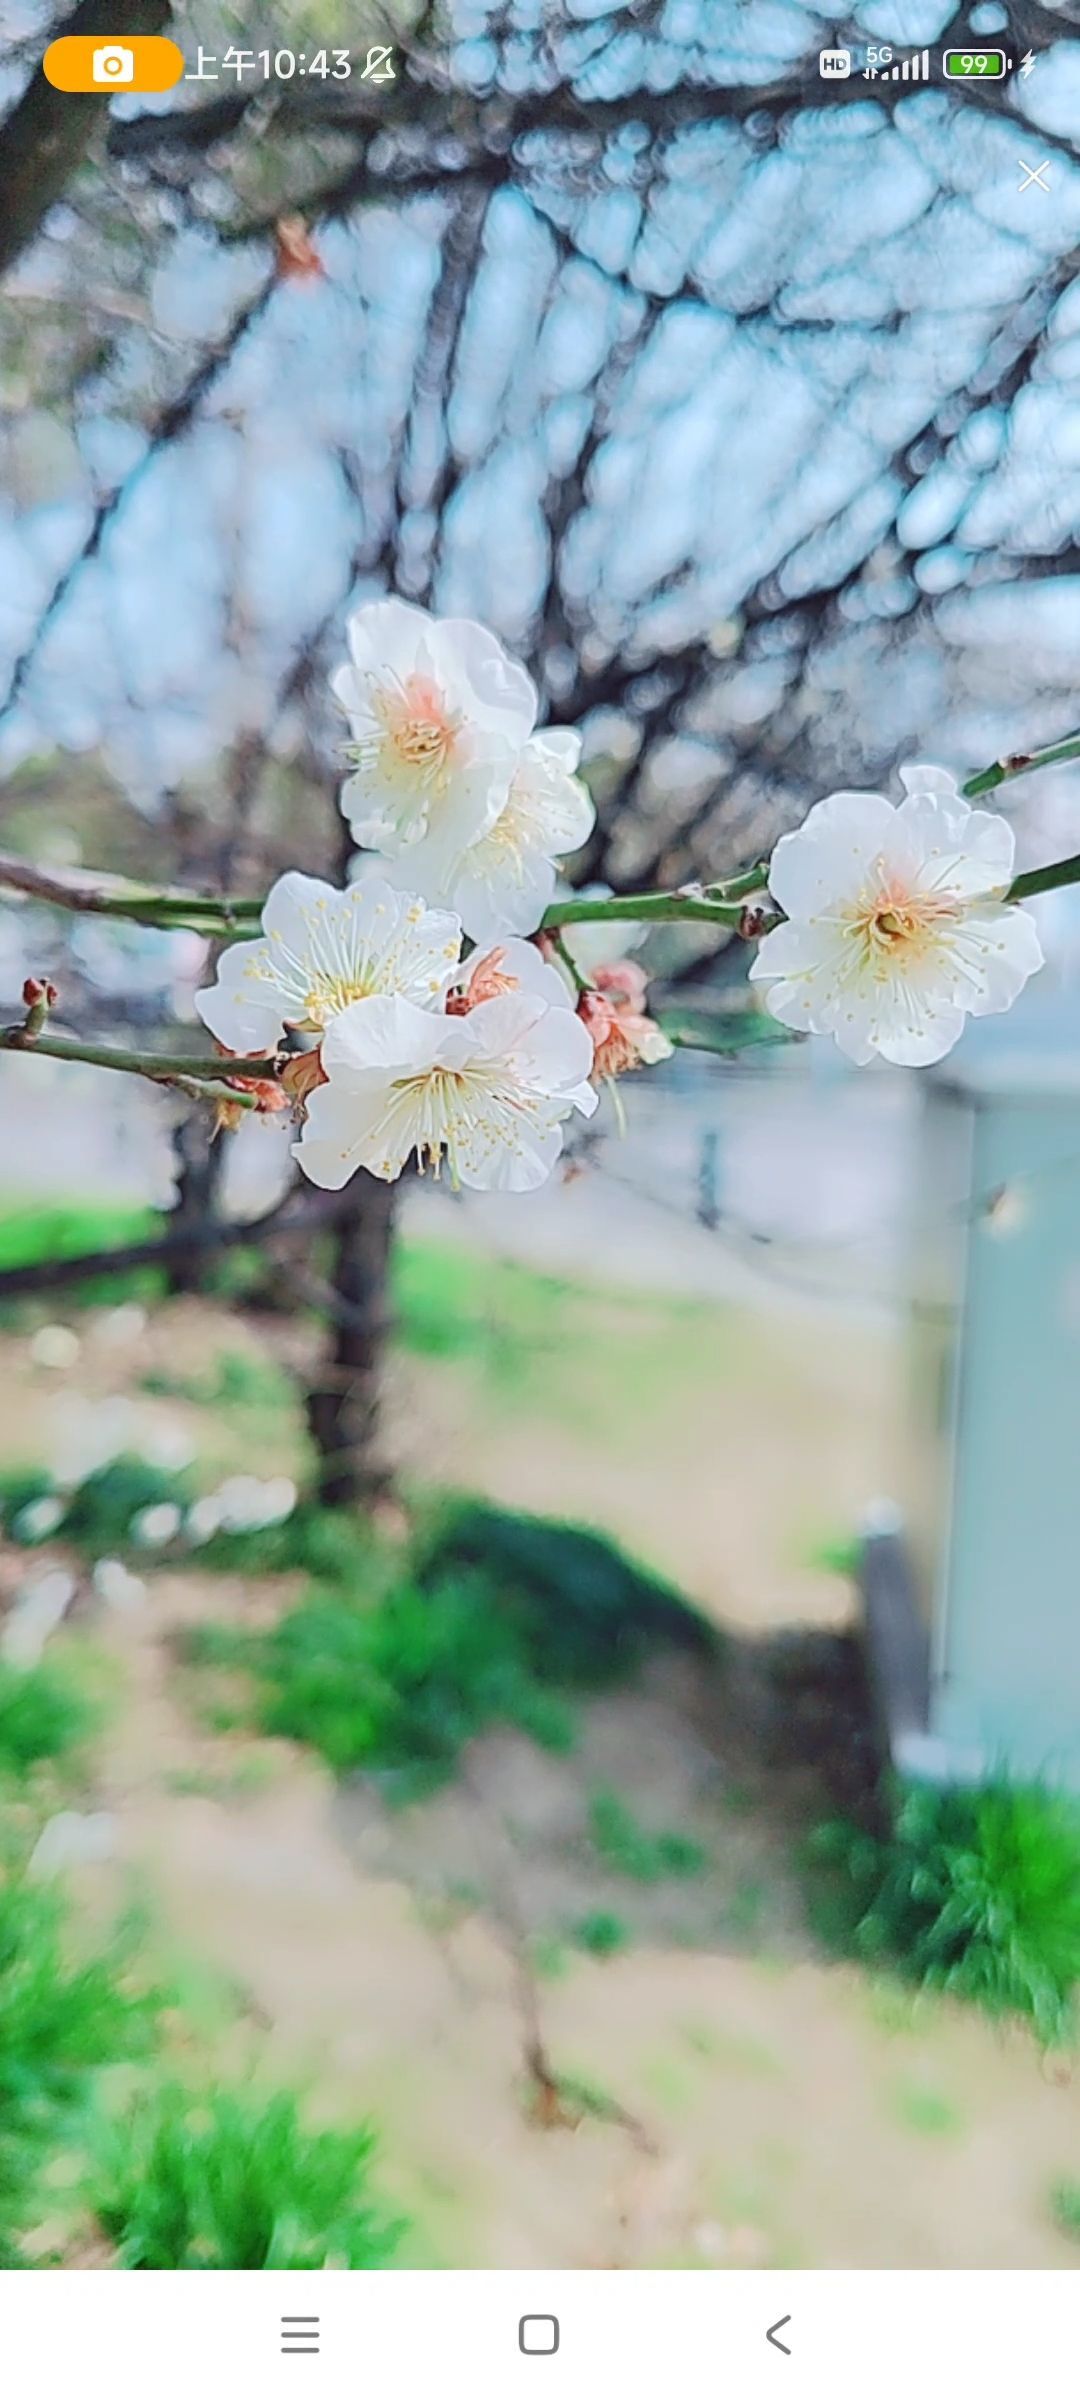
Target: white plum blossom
point(503, 882)
point(487, 1089)
point(897, 925)
point(439, 715)
point(321, 950)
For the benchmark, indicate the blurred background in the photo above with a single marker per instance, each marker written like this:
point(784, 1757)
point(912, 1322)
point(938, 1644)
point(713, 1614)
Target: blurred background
point(432, 1697)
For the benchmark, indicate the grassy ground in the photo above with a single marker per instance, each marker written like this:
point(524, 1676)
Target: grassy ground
point(711, 2087)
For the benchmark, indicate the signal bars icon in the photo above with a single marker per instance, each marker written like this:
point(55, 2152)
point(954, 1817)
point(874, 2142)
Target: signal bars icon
point(915, 69)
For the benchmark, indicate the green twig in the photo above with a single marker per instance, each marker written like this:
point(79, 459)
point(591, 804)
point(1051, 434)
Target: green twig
point(1044, 879)
point(208, 1072)
point(566, 958)
point(720, 904)
point(98, 895)
point(1024, 762)
point(644, 908)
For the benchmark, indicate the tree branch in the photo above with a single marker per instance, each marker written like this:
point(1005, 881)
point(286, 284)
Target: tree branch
point(215, 1233)
point(171, 421)
point(48, 132)
point(215, 1072)
point(101, 895)
point(721, 904)
point(1023, 762)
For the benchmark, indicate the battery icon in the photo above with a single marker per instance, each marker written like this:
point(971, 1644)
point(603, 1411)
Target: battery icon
point(976, 66)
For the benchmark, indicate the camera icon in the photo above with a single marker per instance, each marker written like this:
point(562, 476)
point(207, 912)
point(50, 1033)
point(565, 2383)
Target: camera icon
point(113, 64)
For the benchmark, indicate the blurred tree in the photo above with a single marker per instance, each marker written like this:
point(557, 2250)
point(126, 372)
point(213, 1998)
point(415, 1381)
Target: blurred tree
point(45, 137)
point(743, 409)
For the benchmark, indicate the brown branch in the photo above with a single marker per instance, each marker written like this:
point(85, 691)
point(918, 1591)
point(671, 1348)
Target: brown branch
point(169, 424)
point(313, 1216)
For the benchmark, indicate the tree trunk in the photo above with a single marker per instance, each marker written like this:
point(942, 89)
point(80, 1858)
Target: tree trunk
point(200, 1169)
point(344, 1404)
point(48, 132)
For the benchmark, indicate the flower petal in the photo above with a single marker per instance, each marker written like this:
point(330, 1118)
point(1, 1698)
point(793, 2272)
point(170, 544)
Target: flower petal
point(500, 686)
point(287, 911)
point(564, 743)
point(243, 1009)
point(329, 1146)
point(385, 1034)
point(956, 848)
point(496, 895)
point(829, 857)
point(1009, 950)
point(519, 1167)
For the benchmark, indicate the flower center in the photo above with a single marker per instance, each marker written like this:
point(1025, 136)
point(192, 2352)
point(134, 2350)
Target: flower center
point(460, 1114)
point(898, 924)
point(328, 995)
point(894, 928)
point(440, 1099)
point(419, 731)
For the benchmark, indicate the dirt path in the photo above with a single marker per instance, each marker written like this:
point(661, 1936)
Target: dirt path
point(784, 2110)
point(740, 2100)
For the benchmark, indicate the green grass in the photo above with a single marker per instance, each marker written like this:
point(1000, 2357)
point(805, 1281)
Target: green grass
point(925, 2111)
point(548, 1957)
point(392, 1662)
point(625, 1845)
point(232, 2179)
point(19, 1488)
point(975, 1892)
point(332, 1546)
point(36, 1232)
point(396, 1685)
point(97, 1516)
point(236, 1381)
point(575, 1351)
point(601, 1933)
point(586, 1611)
point(1065, 2209)
point(450, 1304)
point(746, 1908)
point(173, 2178)
point(833, 1554)
point(44, 1714)
point(62, 2015)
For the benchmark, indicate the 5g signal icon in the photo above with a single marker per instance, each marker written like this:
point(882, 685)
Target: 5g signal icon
point(915, 69)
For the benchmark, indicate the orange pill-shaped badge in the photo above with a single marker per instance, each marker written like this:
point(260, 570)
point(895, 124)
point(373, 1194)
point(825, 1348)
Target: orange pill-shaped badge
point(142, 62)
